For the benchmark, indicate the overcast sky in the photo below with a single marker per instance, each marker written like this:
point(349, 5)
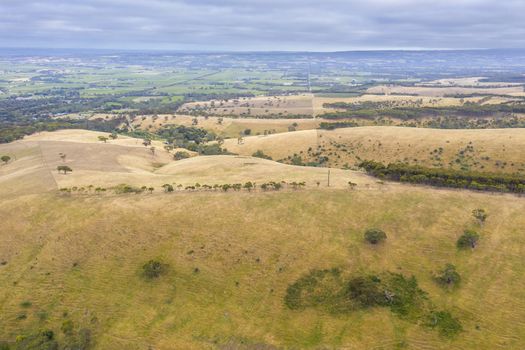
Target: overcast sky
point(243, 25)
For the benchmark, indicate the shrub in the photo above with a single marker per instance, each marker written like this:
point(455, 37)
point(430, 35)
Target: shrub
point(447, 325)
point(448, 276)
point(469, 239)
point(43, 340)
point(374, 235)
point(260, 154)
point(366, 291)
point(67, 327)
point(181, 155)
point(124, 188)
point(153, 269)
point(480, 215)
point(26, 304)
point(5, 159)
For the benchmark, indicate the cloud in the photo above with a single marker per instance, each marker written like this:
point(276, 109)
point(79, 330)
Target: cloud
point(262, 24)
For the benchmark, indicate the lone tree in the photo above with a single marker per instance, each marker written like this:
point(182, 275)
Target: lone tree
point(448, 276)
point(5, 159)
point(62, 156)
point(64, 168)
point(469, 239)
point(480, 215)
point(146, 142)
point(375, 236)
point(153, 269)
point(352, 185)
point(181, 155)
point(103, 139)
point(113, 136)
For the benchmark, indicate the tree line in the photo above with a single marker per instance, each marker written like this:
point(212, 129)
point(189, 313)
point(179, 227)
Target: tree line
point(445, 177)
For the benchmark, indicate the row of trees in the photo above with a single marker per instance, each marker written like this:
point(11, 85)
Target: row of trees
point(168, 188)
point(446, 177)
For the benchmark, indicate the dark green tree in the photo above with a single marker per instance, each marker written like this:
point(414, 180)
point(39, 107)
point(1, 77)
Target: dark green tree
point(469, 239)
point(374, 235)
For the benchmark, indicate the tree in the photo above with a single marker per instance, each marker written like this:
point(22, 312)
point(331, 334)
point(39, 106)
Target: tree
point(247, 132)
point(153, 269)
point(152, 149)
point(103, 139)
point(113, 136)
point(469, 238)
point(352, 185)
point(6, 159)
point(219, 120)
point(480, 215)
point(64, 168)
point(448, 276)
point(62, 156)
point(167, 188)
point(146, 142)
point(151, 189)
point(374, 235)
point(248, 186)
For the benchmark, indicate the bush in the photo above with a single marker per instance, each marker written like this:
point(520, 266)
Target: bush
point(374, 235)
point(124, 188)
point(447, 325)
point(181, 155)
point(469, 239)
point(448, 276)
point(43, 340)
point(366, 291)
point(67, 327)
point(153, 269)
point(260, 154)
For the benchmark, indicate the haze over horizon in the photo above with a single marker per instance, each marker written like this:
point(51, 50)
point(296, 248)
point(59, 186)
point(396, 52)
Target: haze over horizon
point(234, 25)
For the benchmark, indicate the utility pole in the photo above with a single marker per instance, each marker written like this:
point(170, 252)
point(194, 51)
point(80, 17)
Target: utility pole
point(328, 177)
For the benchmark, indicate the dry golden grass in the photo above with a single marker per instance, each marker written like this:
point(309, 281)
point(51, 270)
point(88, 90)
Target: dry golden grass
point(255, 106)
point(405, 101)
point(82, 256)
point(79, 257)
point(447, 90)
point(229, 127)
point(124, 161)
point(503, 147)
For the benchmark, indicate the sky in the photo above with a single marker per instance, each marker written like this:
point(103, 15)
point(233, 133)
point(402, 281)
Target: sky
point(263, 25)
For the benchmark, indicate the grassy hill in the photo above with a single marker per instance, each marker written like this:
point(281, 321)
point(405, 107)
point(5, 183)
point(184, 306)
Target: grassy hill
point(73, 264)
point(487, 150)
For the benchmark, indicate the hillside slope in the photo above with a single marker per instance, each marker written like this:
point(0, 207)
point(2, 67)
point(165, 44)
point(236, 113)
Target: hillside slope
point(488, 150)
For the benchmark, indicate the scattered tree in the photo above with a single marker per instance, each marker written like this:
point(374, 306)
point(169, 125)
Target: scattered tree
point(153, 269)
point(64, 168)
point(167, 188)
point(480, 215)
point(375, 236)
point(103, 139)
point(5, 159)
point(448, 276)
point(469, 239)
